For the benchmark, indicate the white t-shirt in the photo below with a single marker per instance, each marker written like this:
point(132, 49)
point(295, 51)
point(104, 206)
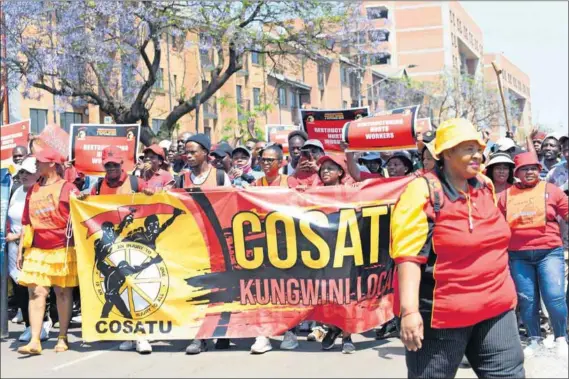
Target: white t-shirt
point(15, 212)
point(199, 180)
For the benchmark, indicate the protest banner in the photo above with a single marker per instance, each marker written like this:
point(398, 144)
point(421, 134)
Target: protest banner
point(279, 134)
point(89, 140)
point(12, 135)
point(389, 130)
point(326, 125)
point(53, 136)
point(247, 266)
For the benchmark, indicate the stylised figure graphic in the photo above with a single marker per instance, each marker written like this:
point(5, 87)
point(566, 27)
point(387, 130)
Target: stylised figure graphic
point(115, 277)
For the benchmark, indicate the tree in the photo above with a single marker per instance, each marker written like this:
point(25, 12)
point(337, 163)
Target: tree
point(108, 53)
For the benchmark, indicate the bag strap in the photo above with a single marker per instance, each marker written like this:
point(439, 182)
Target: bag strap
point(133, 183)
point(436, 195)
point(220, 177)
point(98, 185)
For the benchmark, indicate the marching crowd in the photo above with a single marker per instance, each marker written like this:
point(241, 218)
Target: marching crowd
point(479, 236)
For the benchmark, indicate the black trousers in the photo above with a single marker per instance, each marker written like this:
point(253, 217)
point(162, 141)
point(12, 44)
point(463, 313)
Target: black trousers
point(492, 347)
point(22, 298)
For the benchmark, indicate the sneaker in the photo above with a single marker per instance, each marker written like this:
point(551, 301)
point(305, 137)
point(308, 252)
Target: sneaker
point(549, 341)
point(46, 327)
point(290, 341)
point(26, 336)
point(19, 318)
point(348, 346)
point(143, 347)
point(196, 347)
point(532, 348)
point(330, 338)
point(77, 319)
point(561, 347)
point(317, 334)
point(388, 330)
point(261, 345)
point(222, 344)
point(127, 346)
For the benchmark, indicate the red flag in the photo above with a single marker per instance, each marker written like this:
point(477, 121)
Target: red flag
point(93, 224)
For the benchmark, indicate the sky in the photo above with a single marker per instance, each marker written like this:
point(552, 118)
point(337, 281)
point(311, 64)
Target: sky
point(534, 36)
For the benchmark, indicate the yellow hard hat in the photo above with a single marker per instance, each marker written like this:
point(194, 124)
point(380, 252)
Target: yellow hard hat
point(453, 132)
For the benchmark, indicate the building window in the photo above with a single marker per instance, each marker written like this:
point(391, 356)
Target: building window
point(293, 99)
point(376, 13)
point(239, 94)
point(159, 83)
point(175, 78)
point(344, 76)
point(156, 125)
point(207, 131)
point(378, 35)
point(344, 104)
point(321, 76)
point(282, 96)
point(68, 118)
point(380, 58)
point(256, 97)
point(256, 58)
point(39, 120)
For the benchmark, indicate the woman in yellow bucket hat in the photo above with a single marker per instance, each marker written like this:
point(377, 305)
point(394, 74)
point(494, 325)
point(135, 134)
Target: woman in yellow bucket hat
point(449, 242)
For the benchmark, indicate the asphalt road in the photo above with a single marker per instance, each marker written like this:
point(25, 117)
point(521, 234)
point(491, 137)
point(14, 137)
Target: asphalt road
point(373, 359)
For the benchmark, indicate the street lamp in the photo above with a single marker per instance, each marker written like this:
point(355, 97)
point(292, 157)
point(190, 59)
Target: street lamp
point(384, 79)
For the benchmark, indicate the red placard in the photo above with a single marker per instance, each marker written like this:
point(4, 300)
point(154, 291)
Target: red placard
point(14, 134)
point(89, 140)
point(279, 134)
point(54, 137)
point(326, 125)
point(390, 130)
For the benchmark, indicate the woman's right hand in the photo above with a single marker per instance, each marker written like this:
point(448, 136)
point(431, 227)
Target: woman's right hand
point(412, 331)
point(20, 260)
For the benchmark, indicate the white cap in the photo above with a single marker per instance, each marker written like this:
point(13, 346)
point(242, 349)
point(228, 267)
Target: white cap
point(165, 144)
point(29, 164)
point(505, 144)
point(500, 158)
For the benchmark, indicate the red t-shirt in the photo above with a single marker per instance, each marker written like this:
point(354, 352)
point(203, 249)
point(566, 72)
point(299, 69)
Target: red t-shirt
point(302, 178)
point(369, 175)
point(114, 190)
point(49, 238)
point(537, 239)
point(158, 181)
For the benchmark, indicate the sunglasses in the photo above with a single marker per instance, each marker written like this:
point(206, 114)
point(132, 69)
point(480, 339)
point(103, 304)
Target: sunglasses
point(268, 160)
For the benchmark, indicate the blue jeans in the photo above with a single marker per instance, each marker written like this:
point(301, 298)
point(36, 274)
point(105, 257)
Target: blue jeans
point(536, 271)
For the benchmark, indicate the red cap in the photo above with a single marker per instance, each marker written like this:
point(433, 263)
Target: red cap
point(156, 150)
point(526, 159)
point(112, 154)
point(49, 155)
point(340, 160)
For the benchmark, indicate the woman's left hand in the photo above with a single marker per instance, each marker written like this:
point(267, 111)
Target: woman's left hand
point(12, 237)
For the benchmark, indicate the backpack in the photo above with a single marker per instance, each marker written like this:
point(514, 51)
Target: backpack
point(133, 184)
point(436, 195)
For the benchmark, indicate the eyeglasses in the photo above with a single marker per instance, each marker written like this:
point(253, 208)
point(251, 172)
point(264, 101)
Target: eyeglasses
point(268, 160)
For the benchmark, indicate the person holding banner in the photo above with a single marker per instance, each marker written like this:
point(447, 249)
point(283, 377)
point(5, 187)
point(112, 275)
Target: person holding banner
point(296, 140)
point(241, 174)
point(271, 160)
point(116, 180)
point(46, 255)
point(399, 164)
point(200, 172)
point(460, 300)
point(222, 157)
point(306, 173)
point(531, 208)
point(154, 178)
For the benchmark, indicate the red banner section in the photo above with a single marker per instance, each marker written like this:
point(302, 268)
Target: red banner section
point(327, 125)
point(279, 134)
point(89, 140)
point(390, 130)
point(54, 137)
point(12, 135)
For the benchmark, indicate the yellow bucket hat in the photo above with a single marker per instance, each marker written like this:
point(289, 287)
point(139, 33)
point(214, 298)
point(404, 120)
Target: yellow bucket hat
point(453, 132)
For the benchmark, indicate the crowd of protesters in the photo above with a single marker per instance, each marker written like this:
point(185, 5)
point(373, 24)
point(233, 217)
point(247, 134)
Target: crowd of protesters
point(500, 263)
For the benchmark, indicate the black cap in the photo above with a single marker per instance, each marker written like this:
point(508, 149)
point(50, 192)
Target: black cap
point(298, 133)
point(429, 136)
point(405, 157)
point(222, 150)
point(201, 139)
